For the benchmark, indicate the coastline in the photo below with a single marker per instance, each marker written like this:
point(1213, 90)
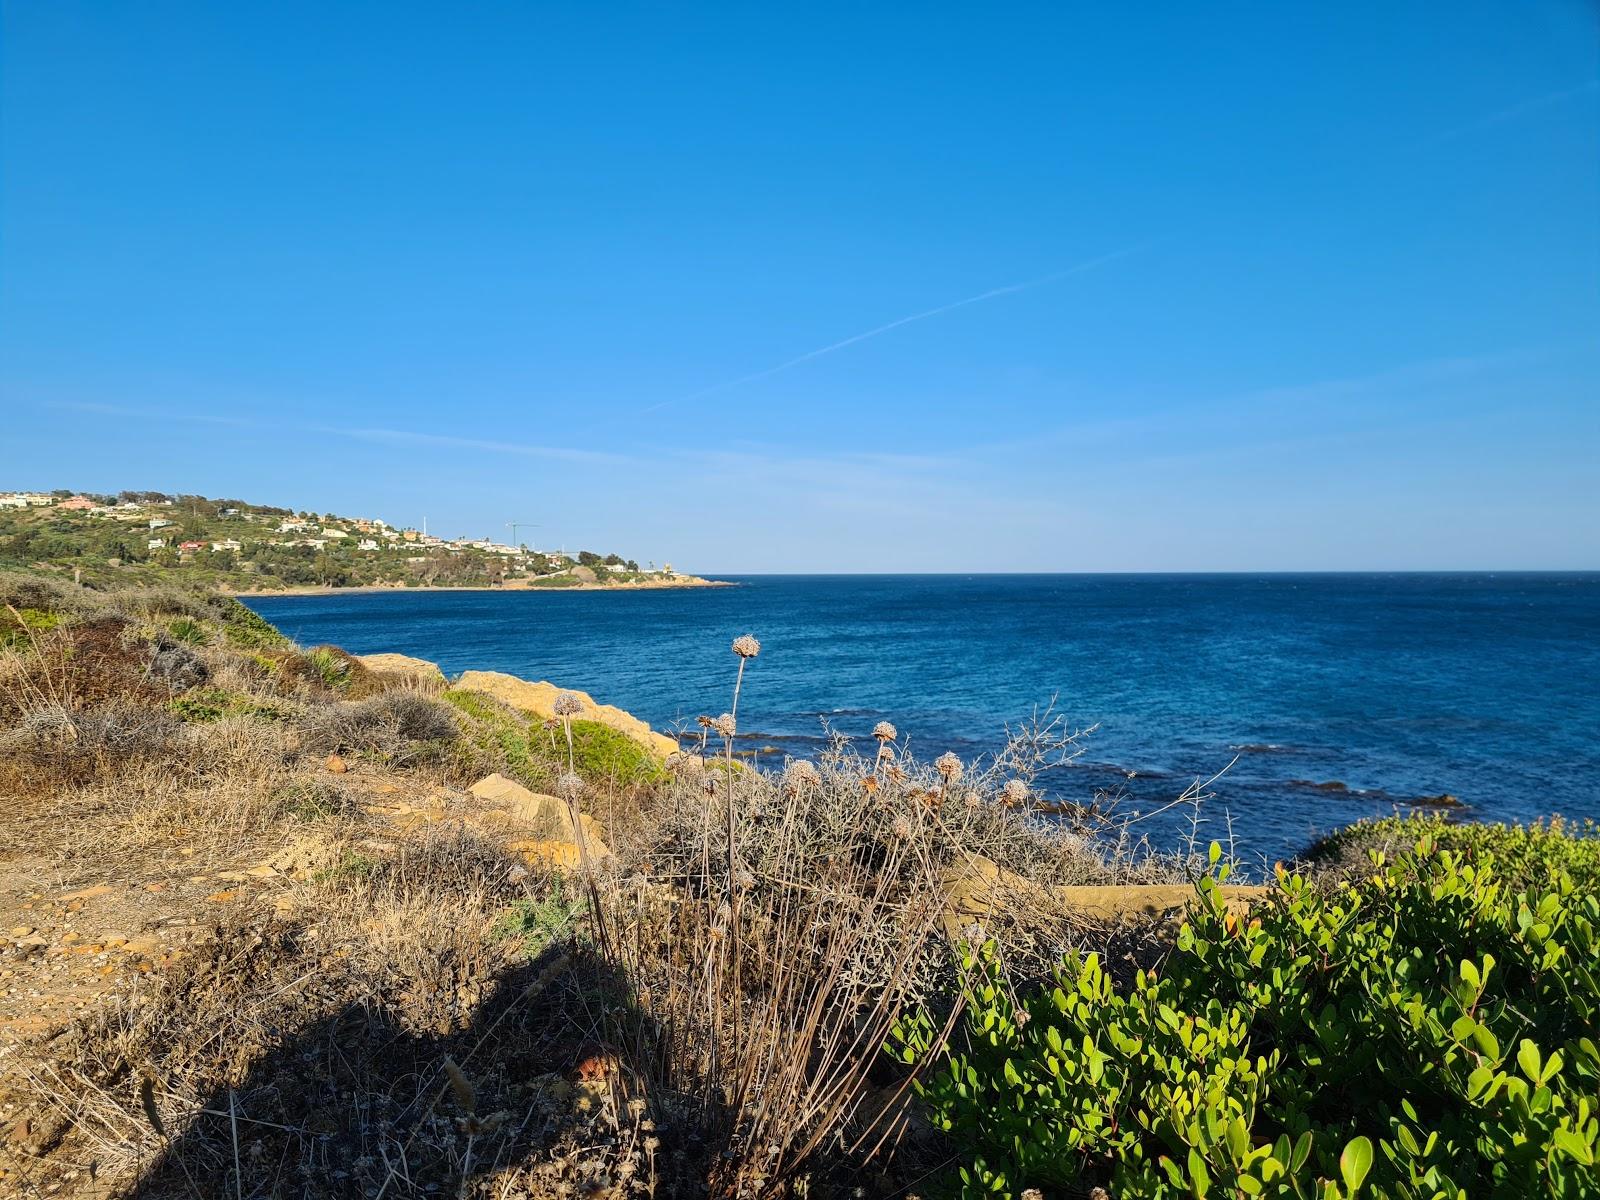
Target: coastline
point(686, 582)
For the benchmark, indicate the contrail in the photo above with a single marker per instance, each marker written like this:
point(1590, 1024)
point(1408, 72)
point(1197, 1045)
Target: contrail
point(1089, 265)
point(1532, 104)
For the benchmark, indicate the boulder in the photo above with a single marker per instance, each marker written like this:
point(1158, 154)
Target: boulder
point(540, 698)
point(537, 825)
point(402, 664)
point(978, 890)
point(1119, 902)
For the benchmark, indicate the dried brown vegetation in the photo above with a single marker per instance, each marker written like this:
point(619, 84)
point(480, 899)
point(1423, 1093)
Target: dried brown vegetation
point(407, 1010)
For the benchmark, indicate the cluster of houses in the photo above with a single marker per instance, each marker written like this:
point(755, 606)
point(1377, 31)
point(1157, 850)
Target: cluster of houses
point(362, 534)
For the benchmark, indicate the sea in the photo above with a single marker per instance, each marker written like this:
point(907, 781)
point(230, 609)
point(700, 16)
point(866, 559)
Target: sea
point(1296, 703)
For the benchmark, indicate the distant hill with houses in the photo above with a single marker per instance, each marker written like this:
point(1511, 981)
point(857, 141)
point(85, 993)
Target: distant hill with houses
point(258, 547)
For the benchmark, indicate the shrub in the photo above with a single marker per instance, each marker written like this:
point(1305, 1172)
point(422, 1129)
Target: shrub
point(602, 753)
point(189, 631)
point(502, 735)
point(396, 727)
point(18, 626)
point(536, 922)
point(247, 629)
point(213, 704)
point(1423, 1032)
point(1523, 854)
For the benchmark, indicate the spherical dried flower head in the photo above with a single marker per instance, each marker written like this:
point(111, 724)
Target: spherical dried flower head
point(725, 725)
point(1015, 791)
point(900, 827)
point(949, 766)
point(569, 786)
point(746, 646)
point(567, 704)
point(972, 800)
point(743, 880)
point(885, 732)
point(800, 774)
point(703, 721)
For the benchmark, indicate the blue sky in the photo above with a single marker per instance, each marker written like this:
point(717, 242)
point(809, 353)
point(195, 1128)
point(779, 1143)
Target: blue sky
point(1163, 287)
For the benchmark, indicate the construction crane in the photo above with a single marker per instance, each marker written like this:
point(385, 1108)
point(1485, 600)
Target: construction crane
point(516, 525)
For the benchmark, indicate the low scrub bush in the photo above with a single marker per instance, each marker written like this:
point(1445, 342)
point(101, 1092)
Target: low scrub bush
point(503, 739)
point(247, 629)
point(397, 728)
point(213, 704)
point(1426, 1031)
point(1524, 855)
point(607, 755)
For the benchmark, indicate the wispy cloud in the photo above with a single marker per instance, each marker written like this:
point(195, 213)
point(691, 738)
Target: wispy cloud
point(878, 331)
point(1519, 109)
point(360, 434)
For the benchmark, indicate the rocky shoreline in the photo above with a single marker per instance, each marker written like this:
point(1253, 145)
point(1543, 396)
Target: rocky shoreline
point(686, 581)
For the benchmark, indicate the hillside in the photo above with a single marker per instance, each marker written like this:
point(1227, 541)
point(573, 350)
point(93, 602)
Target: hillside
point(235, 545)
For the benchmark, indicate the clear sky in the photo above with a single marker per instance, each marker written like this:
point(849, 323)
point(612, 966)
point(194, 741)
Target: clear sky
point(859, 287)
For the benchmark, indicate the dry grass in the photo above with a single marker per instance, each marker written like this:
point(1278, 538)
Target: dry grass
point(703, 1017)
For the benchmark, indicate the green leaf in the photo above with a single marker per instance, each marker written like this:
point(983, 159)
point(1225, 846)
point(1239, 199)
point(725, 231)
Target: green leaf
point(1470, 976)
point(1355, 1162)
point(1528, 1059)
point(1199, 1177)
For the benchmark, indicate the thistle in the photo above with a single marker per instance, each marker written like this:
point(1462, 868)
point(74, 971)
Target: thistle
point(949, 766)
point(886, 734)
point(1015, 792)
point(746, 646)
point(567, 705)
point(799, 775)
point(569, 786)
point(725, 725)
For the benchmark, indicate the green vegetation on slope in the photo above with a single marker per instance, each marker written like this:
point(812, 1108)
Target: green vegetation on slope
point(233, 545)
point(1428, 1030)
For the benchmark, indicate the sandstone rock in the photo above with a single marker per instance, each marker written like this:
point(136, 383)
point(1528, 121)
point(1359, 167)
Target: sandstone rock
point(1118, 902)
point(337, 765)
point(539, 699)
point(519, 810)
point(979, 890)
point(402, 664)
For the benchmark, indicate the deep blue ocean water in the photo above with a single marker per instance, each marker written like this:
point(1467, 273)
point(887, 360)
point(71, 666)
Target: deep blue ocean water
point(1400, 686)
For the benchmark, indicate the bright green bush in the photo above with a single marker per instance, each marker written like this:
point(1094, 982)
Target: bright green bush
point(606, 754)
point(189, 631)
point(248, 629)
point(18, 626)
point(504, 736)
point(1425, 1031)
point(1523, 855)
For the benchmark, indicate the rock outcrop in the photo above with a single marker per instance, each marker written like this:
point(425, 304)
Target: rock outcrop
point(402, 664)
point(978, 890)
point(536, 825)
point(540, 698)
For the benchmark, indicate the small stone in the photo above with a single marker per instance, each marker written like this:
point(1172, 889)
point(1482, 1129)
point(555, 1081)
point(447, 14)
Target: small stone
point(337, 765)
point(22, 931)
